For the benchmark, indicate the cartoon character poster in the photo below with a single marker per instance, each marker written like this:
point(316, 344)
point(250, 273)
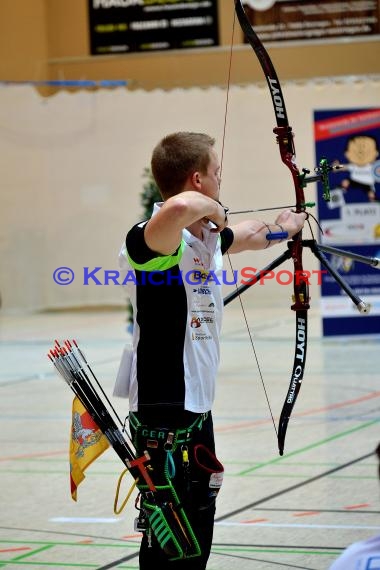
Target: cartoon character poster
point(350, 221)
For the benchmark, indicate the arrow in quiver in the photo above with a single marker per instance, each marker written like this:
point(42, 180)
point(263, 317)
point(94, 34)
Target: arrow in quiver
point(163, 512)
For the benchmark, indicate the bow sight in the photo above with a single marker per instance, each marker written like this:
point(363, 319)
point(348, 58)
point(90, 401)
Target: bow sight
point(322, 175)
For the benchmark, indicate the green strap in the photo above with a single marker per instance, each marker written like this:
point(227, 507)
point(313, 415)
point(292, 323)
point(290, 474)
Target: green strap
point(181, 435)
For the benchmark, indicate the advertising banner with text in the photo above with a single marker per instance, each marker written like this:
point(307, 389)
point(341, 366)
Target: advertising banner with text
point(286, 20)
point(122, 26)
point(350, 221)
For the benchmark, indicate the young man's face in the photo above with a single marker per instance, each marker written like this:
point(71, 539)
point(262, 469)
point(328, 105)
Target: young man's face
point(211, 180)
point(361, 151)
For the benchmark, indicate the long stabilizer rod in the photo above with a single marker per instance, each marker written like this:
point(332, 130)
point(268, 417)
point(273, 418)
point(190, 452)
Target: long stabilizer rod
point(373, 261)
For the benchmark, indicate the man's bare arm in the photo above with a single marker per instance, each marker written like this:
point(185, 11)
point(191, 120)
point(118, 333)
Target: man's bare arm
point(163, 232)
point(251, 234)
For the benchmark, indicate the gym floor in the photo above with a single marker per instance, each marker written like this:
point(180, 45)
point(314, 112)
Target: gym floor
point(295, 511)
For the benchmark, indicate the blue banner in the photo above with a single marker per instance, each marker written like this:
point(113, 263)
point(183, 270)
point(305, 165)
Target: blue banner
point(350, 221)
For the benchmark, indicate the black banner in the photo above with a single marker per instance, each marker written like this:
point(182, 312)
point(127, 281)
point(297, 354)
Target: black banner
point(125, 26)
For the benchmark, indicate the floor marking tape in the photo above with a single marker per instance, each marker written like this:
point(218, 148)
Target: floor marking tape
point(83, 520)
point(279, 525)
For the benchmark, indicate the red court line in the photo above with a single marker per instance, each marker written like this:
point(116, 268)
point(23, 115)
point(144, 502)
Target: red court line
point(240, 425)
point(15, 549)
point(30, 455)
point(336, 406)
point(308, 514)
point(352, 507)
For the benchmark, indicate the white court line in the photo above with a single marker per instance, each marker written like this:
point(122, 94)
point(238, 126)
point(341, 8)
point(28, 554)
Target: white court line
point(270, 525)
point(279, 525)
point(83, 520)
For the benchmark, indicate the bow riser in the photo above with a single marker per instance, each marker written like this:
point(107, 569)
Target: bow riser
point(285, 140)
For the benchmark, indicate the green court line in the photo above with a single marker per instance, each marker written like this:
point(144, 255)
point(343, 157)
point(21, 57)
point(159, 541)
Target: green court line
point(33, 552)
point(275, 550)
point(53, 472)
point(59, 564)
point(228, 475)
point(311, 446)
point(214, 550)
point(300, 463)
point(299, 476)
point(53, 460)
point(324, 464)
point(47, 545)
point(124, 544)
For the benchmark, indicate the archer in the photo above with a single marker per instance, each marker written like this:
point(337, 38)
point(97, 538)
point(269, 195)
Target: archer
point(172, 382)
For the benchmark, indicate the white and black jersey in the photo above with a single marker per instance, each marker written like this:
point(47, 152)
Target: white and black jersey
point(177, 308)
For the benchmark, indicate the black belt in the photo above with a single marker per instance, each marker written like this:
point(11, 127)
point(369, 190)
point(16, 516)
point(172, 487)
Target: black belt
point(170, 438)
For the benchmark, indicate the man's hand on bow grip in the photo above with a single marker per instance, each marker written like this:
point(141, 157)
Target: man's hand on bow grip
point(291, 221)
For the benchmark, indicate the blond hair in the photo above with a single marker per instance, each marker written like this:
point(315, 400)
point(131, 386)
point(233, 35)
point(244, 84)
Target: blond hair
point(178, 156)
